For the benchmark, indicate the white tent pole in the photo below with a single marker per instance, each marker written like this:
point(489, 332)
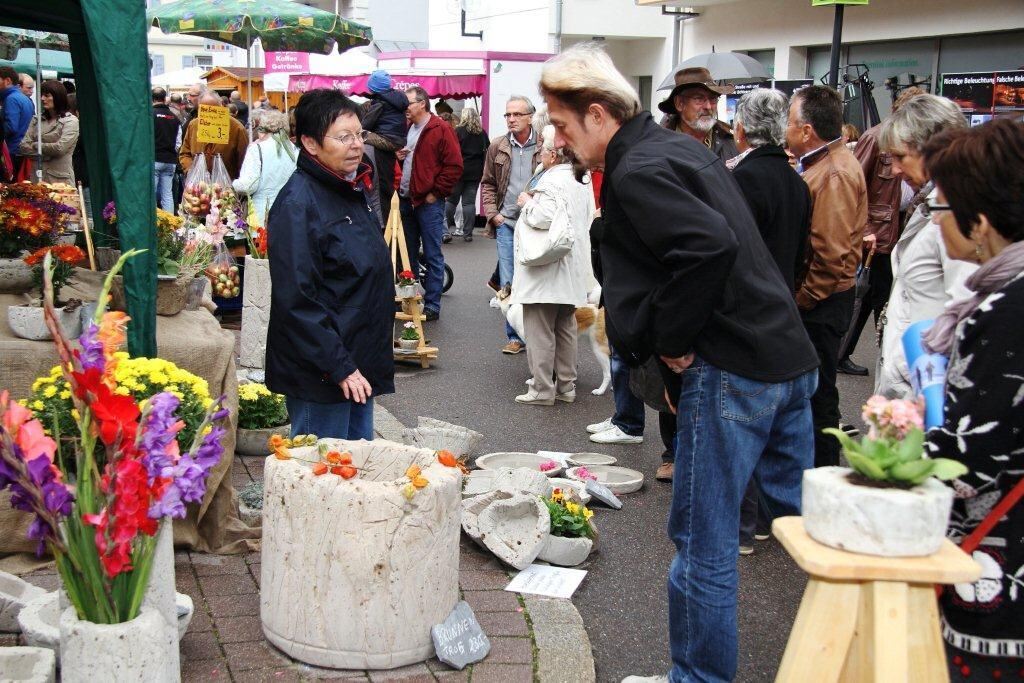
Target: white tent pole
point(39, 117)
point(248, 68)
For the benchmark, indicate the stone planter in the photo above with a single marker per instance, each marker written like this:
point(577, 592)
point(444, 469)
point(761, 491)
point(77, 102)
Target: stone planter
point(438, 435)
point(405, 291)
point(368, 570)
point(40, 622)
point(141, 650)
point(28, 665)
point(15, 276)
point(564, 551)
point(408, 344)
point(254, 441)
point(160, 593)
point(171, 295)
point(27, 322)
point(15, 594)
point(255, 312)
point(874, 521)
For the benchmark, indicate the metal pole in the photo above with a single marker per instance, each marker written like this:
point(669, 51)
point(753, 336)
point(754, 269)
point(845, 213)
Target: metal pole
point(248, 69)
point(39, 116)
point(837, 41)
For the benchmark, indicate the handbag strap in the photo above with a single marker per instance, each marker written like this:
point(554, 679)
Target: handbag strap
point(974, 539)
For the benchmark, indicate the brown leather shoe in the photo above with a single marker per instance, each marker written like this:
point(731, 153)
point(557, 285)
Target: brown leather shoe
point(513, 347)
point(664, 472)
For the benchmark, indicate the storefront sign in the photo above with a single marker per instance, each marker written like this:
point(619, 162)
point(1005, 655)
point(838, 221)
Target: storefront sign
point(286, 62)
point(214, 125)
point(985, 92)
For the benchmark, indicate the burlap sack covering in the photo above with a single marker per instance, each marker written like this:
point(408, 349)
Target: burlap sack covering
point(194, 341)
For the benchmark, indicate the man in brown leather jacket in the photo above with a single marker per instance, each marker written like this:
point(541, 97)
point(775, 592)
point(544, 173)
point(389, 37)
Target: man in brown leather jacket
point(825, 293)
point(881, 232)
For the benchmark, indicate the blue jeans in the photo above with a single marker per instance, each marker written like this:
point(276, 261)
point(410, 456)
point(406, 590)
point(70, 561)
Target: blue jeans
point(163, 179)
point(507, 266)
point(424, 225)
point(729, 428)
point(345, 420)
point(629, 410)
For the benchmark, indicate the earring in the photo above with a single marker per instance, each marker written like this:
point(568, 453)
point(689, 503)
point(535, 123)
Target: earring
point(977, 251)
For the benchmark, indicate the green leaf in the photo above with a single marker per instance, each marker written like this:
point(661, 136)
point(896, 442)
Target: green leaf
point(946, 469)
point(912, 446)
point(915, 471)
point(865, 465)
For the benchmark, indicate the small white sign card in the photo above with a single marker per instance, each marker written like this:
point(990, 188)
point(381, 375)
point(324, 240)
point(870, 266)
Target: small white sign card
point(553, 582)
point(560, 457)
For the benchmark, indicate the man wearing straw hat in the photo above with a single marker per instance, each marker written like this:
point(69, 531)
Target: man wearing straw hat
point(692, 108)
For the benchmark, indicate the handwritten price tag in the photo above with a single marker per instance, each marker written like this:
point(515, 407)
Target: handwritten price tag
point(214, 125)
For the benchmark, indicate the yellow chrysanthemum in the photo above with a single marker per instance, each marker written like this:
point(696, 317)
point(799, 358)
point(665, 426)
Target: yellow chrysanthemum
point(37, 405)
point(65, 395)
point(50, 391)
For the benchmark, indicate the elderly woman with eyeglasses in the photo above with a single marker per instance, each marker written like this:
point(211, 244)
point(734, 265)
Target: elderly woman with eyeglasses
point(978, 209)
point(925, 278)
point(329, 343)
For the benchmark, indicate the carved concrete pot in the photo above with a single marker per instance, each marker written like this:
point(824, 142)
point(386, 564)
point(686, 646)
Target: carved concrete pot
point(40, 622)
point(408, 344)
point(565, 551)
point(354, 573)
point(405, 291)
point(160, 593)
point(254, 441)
point(255, 313)
point(15, 276)
point(27, 322)
point(27, 665)
point(889, 522)
point(15, 595)
point(141, 650)
point(439, 435)
point(515, 529)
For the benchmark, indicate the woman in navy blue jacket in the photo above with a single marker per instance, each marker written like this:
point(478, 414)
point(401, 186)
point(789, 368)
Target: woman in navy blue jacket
point(329, 344)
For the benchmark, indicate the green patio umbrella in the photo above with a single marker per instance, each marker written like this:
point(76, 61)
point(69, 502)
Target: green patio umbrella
point(280, 25)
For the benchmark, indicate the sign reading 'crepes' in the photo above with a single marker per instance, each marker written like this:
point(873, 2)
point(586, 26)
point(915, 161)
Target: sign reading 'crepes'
point(214, 125)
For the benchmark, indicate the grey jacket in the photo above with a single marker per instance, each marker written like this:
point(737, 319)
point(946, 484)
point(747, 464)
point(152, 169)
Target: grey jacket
point(59, 139)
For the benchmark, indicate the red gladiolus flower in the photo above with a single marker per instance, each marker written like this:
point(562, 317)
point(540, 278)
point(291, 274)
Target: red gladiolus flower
point(116, 414)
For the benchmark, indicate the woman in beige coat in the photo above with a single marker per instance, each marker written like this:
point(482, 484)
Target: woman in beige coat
point(60, 135)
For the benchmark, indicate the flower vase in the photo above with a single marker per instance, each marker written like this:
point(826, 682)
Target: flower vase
point(142, 650)
point(408, 344)
point(15, 276)
point(160, 592)
point(255, 312)
point(405, 291)
point(386, 560)
point(254, 441)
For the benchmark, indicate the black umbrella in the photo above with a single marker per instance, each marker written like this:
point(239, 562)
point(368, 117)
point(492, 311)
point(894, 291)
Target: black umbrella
point(860, 291)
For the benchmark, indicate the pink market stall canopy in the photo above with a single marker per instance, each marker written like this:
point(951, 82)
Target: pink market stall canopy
point(446, 86)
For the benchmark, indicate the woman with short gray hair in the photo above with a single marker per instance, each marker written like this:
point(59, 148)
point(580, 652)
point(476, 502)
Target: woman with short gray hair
point(781, 203)
point(925, 278)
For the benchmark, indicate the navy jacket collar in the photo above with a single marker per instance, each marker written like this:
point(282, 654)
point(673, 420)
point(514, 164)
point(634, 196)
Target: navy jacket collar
point(362, 181)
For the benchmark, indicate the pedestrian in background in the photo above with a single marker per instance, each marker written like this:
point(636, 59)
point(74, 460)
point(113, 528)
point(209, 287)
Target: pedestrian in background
point(473, 143)
point(232, 153)
point(550, 281)
point(692, 109)
point(167, 141)
point(58, 129)
point(269, 163)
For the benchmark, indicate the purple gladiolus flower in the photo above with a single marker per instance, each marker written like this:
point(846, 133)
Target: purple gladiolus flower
point(91, 355)
point(210, 450)
point(158, 434)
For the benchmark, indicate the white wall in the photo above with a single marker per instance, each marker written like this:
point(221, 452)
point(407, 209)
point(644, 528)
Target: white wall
point(509, 27)
point(789, 26)
point(636, 58)
point(614, 19)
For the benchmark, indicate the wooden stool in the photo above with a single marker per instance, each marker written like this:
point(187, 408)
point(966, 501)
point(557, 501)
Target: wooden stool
point(867, 618)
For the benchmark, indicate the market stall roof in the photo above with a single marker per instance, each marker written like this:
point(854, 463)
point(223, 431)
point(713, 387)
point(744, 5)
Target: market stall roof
point(444, 84)
point(110, 60)
point(182, 79)
point(49, 61)
point(229, 76)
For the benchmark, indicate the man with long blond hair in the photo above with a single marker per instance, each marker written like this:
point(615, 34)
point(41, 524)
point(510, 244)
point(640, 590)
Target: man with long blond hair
point(688, 280)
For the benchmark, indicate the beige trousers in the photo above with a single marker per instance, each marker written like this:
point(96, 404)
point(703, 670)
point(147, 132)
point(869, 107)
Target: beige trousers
point(551, 347)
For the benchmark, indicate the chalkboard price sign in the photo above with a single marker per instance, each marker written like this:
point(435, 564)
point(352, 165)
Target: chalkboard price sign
point(214, 125)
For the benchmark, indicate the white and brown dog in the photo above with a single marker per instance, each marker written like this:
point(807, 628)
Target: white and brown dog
point(589, 323)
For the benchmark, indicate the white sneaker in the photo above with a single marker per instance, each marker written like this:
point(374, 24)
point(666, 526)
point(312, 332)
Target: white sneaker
point(567, 396)
point(603, 426)
point(533, 398)
point(645, 679)
point(615, 435)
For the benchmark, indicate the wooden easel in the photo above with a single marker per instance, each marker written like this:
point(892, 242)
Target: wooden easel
point(412, 307)
point(867, 619)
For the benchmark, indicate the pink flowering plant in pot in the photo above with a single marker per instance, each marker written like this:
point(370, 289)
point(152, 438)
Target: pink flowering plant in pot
point(99, 518)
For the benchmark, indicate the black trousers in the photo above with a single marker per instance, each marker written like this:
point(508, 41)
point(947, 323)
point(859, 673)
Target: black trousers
point(881, 284)
point(826, 324)
point(385, 180)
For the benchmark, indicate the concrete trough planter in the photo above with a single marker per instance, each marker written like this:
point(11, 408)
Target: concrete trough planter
point(15, 595)
point(27, 322)
point(40, 622)
point(141, 650)
point(368, 570)
point(15, 276)
point(888, 522)
point(254, 441)
point(27, 665)
point(255, 313)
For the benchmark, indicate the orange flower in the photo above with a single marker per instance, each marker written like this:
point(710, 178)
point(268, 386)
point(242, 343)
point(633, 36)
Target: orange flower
point(275, 441)
point(333, 457)
point(112, 332)
point(319, 468)
point(447, 458)
point(347, 471)
point(282, 454)
point(413, 471)
point(346, 458)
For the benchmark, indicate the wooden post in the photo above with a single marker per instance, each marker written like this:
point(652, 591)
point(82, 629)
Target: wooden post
point(85, 226)
point(412, 307)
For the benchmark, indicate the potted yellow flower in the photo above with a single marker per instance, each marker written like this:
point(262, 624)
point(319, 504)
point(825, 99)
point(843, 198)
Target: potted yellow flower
point(261, 415)
point(572, 533)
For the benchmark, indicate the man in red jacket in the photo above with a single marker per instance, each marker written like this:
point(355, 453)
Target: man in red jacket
point(431, 165)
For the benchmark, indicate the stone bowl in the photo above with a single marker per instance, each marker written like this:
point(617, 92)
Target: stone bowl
point(619, 480)
point(15, 595)
point(578, 487)
point(254, 441)
point(591, 459)
point(564, 551)
point(515, 529)
point(15, 276)
point(493, 461)
point(28, 322)
point(369, 568)
point(28, 664)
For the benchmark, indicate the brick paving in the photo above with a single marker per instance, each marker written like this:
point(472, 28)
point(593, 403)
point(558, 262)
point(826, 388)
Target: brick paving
point(225, 640)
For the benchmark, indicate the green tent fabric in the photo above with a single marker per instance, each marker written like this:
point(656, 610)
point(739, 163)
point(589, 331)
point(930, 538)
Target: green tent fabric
point(49, 60)
point(109, 55)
